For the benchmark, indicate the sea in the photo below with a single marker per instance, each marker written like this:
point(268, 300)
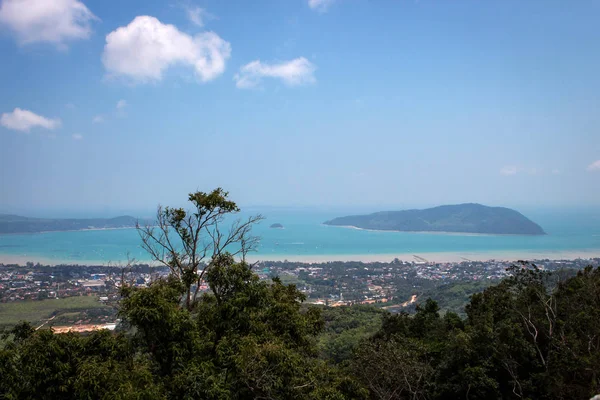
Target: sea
point(571, 233)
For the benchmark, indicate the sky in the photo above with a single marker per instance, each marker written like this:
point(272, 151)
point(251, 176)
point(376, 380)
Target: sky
point(112, 106)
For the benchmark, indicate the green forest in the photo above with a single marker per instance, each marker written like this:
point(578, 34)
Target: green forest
point(530, 336)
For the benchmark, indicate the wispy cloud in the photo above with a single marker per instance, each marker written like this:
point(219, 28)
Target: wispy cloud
point(51, 21)
point(121, 106)
point(196, 15)
point(320, 5)
point(98, 119)
point(77, 136)
point(24, 120)
point(595, 166)
point(143, 50)
point(298, 71)
point(509, 170)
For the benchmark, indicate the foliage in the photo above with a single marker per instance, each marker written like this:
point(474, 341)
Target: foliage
point(531, 337)
point(528, 337)
point(184, 240)
point(44, 365)
point(346, 328)
point(246, 339)
point(454, 296)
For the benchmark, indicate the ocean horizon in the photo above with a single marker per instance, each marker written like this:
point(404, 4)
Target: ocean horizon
point(571, 233)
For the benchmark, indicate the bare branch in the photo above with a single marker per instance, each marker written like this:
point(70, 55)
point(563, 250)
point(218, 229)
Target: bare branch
point(182, 240)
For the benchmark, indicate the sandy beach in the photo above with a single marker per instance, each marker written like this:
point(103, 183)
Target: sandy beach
point(445, 233)
point(437, 257)
point(416, 257)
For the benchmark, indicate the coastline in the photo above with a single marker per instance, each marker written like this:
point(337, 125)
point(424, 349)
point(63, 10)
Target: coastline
point(434, 257)
point(68, 230)
point(435, 232)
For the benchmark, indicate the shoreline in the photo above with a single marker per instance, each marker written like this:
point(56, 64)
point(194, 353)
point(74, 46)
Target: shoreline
point(437, 257)
point(67, 230)
point(430, 257)
point(436, 232)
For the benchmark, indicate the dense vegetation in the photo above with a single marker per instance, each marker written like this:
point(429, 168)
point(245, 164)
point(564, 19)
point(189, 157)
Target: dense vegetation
point(17, 224)
point(345, 328)
point(247, 339)
point(453, 296)
point(468, 218)
point(526, 337)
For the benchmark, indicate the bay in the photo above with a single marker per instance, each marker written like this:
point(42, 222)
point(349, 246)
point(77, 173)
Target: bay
point(571, 233)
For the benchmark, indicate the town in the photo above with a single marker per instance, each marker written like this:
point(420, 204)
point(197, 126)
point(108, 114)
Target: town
point(396, 285)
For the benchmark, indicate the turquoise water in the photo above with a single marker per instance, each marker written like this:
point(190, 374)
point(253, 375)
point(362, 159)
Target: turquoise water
point(305, 236)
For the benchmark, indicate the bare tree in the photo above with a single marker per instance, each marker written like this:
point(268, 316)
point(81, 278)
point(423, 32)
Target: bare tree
point(188, 241)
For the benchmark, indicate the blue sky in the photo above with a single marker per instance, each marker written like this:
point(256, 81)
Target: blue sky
point(111, 105)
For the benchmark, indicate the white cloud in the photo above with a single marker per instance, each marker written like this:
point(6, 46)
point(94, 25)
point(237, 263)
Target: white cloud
point(98, 119)
point(555, 171)
point(121, 104)
point(320, 5)
point(595, 166)
point(77, 136)
point(53, 21)
point(298, 71)
point(24, 120)
point(145, 48)
point(509, 170)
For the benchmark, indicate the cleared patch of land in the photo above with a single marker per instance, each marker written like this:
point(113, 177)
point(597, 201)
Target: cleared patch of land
point(37, 312)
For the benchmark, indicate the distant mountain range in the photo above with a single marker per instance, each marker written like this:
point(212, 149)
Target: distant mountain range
point(460, 218)
point(18, 224)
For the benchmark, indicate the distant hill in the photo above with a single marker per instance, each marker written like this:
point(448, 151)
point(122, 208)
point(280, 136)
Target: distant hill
point(460, 218)
point(18, 224)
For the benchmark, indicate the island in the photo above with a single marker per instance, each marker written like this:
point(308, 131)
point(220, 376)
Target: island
point(276, 226)
point(13, 224)
point(459, 218)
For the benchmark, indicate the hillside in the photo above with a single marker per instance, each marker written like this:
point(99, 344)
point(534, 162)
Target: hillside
point(461, 218)
point(19, 224)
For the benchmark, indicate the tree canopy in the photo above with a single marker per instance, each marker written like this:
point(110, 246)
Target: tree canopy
point(525, 338)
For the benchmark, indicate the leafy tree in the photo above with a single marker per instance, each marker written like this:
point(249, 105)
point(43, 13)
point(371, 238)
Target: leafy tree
point(396, 368)
point(529, 337)
point(246, 339)
point(345, 328)
point(185, 240)
point(44, 365)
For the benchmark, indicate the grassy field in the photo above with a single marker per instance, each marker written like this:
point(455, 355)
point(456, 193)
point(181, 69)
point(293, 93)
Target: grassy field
point(38, 311)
